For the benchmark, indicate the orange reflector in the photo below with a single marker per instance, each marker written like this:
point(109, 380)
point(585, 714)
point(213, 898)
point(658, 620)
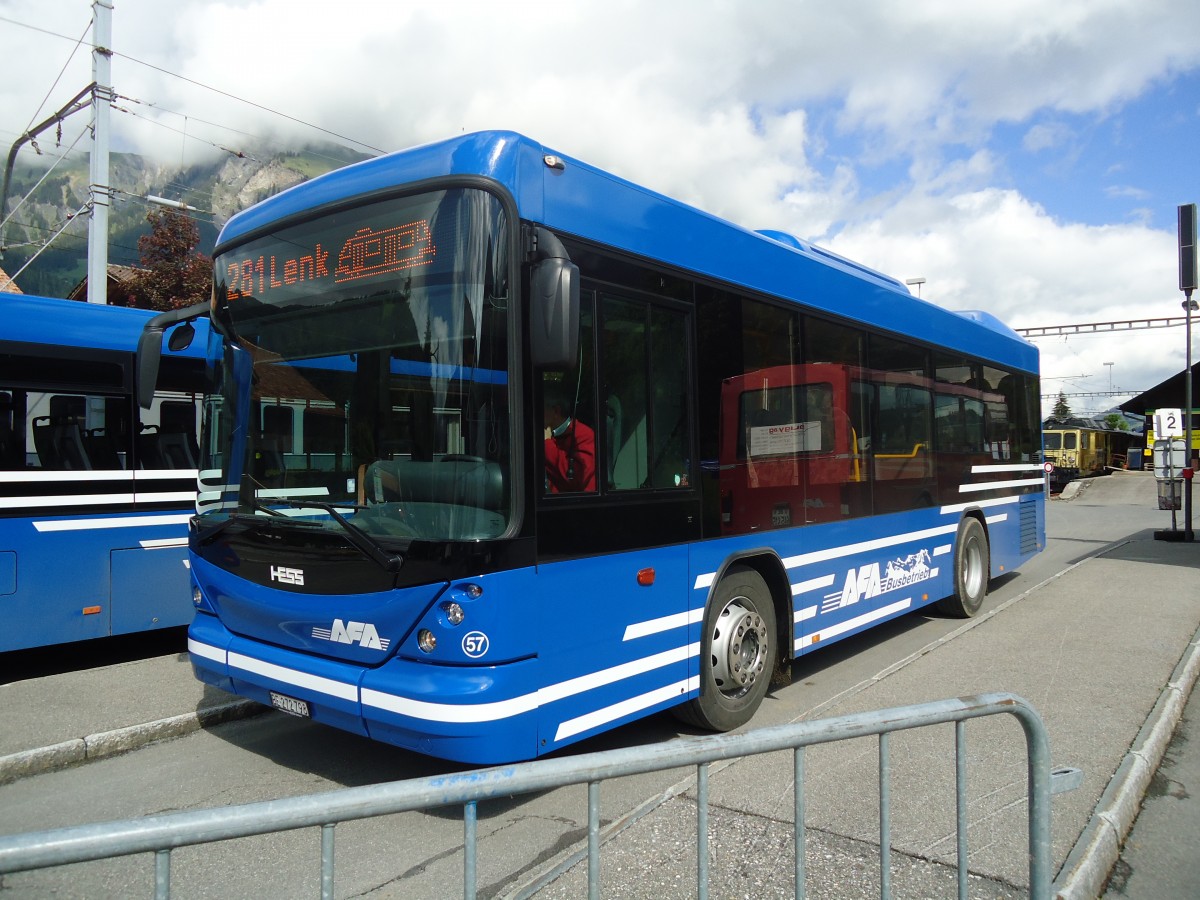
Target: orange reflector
point(91, 610)
point(924, 597)
point(645, 577)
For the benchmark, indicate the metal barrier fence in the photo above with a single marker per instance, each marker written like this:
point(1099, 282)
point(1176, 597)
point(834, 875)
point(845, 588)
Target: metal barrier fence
point(161, 834)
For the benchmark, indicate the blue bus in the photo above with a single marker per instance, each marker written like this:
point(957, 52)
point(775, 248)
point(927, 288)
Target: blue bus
point(503, 451)
point(95, 495)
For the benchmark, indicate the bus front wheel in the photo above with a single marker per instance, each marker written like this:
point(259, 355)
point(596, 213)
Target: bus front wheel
point(737, 652)
point(971, 571)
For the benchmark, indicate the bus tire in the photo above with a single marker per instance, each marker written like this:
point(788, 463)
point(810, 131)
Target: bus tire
point(971, 571)
point(737, 652)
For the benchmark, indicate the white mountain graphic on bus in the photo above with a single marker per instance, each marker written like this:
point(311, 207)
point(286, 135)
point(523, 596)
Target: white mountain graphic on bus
point(866, 581)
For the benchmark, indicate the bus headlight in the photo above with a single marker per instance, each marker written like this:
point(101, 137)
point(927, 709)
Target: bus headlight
point(197, 596)
point(426, 640)
point(454, 612)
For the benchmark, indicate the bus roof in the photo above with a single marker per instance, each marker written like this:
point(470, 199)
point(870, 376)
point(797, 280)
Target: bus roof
point(574, 198)
point(73, 323)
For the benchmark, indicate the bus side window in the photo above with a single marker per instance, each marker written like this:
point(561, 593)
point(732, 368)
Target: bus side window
point(648, 422)
point(570, 446)
point(71, 432)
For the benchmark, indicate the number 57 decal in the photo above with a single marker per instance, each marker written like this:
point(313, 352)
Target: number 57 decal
point(475, 644)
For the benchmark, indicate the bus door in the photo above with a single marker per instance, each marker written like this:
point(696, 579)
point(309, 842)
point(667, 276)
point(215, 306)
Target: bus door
point(618, 504)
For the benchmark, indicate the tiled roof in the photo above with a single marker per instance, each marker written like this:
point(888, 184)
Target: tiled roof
point(7, 286)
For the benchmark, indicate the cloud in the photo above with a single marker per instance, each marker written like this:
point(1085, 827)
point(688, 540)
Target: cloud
point(995, 250)
point(870, 127)
point(1046, 136)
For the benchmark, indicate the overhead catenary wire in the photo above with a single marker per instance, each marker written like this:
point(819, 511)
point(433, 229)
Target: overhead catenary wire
point(13, 277)
point(207, 87)
point(207, 216)
point(258, 139)
point(4, 222)
point(70, 57)
point(240, 154)
point(77, 43)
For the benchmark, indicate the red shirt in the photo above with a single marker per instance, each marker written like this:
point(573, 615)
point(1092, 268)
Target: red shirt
point(571, 460)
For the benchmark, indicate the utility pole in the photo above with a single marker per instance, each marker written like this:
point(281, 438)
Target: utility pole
point(1187, 284)
point(100, 190)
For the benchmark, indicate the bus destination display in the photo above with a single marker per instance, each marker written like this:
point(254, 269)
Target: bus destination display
point(366, 253)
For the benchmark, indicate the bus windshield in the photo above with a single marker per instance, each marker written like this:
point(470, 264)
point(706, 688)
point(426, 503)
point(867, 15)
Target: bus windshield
point(363, 373)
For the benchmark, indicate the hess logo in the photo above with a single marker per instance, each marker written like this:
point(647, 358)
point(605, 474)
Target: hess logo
point(284, 575)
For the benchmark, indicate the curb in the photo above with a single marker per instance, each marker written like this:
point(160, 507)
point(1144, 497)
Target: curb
point(121, 740)
point(1087, 867)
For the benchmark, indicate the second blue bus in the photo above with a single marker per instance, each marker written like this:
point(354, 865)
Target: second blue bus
point(95, 494)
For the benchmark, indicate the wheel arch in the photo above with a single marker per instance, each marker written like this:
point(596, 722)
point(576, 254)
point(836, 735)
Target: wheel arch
point(977, 514)
point(769, 566)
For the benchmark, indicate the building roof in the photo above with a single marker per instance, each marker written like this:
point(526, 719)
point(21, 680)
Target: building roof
point(117, 276)
point(1169, 394)
point(7, 285)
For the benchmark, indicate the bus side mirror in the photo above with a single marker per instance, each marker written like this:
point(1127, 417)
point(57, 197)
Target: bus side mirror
point(149, 354)
point(149, 351)
point(554, 313)
point(181, 337)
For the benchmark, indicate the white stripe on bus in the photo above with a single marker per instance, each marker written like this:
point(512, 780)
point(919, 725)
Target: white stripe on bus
point(447, 712)
point(850, 624)
point(207, 651)
point(804, 614)
point(813, 584)
point(804, 559)
point(37, 476)
point(663, 623)
point(1007, 467)
point(165, 496)
point(122, 522)
point(66, 500)
point(625, 707)
point(328, 686)
point(990, 485)
point(980, 504)
point(165, 542)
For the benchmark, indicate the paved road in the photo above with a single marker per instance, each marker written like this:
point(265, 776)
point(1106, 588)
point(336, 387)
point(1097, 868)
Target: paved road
point(1105, 660)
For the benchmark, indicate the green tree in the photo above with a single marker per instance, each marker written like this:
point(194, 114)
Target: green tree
point(1062, 409)
point(174, 273)
point(1116, 421)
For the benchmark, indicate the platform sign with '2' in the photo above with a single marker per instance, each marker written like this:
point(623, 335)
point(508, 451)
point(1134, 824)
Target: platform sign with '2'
point(1168, 423)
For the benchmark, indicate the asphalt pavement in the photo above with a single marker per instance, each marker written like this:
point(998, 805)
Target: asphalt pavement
point(1107, 651)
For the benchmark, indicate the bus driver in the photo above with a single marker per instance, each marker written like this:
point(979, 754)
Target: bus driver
point(570, 447)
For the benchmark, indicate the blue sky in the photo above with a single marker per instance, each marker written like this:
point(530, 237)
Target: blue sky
point(1025, 157)
point(1133, 164)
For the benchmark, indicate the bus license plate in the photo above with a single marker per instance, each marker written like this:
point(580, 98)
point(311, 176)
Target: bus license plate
point(290, 705)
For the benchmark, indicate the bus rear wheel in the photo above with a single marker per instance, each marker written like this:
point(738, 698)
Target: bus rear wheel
point(971, 570)
point(737, 652)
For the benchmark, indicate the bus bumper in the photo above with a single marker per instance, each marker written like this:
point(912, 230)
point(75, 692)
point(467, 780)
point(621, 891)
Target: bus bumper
point(471, 714)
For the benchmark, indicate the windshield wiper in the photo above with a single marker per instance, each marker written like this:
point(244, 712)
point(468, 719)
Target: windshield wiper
point(210, 533)
point(254, 503)
point(389, 562)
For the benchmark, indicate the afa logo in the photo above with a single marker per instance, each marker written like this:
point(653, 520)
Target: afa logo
point(867, 582)
point(362, 633)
